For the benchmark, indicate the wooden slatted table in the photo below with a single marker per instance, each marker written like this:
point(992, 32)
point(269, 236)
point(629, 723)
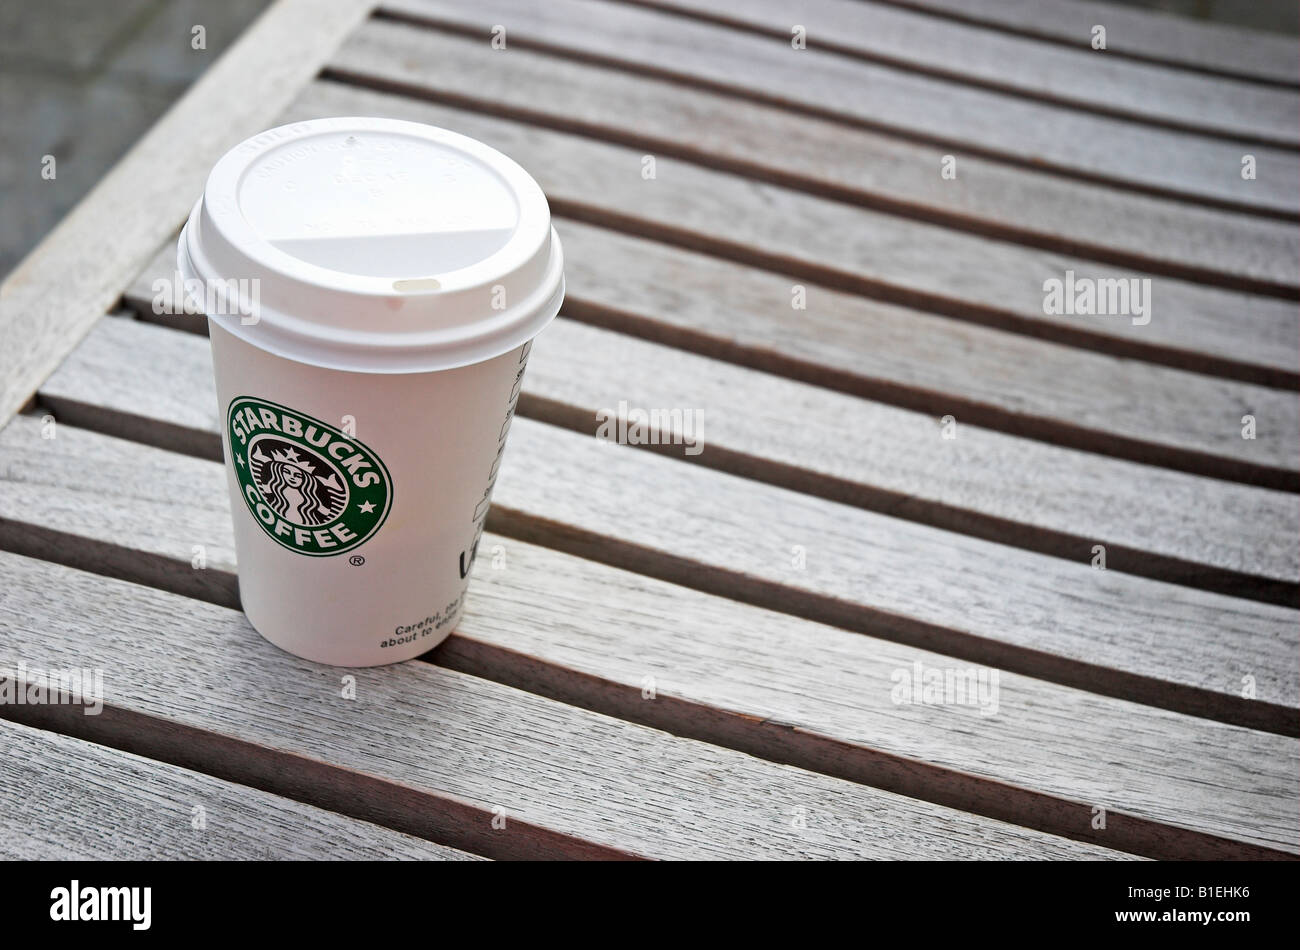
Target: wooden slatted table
point(677, 655)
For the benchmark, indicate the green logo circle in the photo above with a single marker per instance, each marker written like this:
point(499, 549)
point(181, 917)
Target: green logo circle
point(313, 488)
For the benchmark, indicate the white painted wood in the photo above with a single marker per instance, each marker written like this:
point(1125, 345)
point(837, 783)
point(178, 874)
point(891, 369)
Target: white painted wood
point(972, 120)
point(71, 800)
point(1114, 633)
point(998, 380)
point(578, 795)
point(904, 581)
point(1056, 74)
point(762, 681)
point(786, 686)
point(852, 164)
point(50, 300)
point(1152, 521)
point(1027, 386)
point(827, 242)
point(1153, 35)
point(809, 438)
point(440, 753)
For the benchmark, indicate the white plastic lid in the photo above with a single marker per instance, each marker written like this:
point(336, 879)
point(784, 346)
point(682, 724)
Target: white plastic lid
point(377, 245)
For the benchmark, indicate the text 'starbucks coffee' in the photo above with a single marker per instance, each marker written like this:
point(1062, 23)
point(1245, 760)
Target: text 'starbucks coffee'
point(314, 489)
point(372, 289)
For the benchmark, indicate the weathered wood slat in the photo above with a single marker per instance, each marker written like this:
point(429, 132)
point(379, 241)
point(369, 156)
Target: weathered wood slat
point(445, 780)
point(824, 241)
point(791, 685)
point(1102, 630)
point(851, 164)
point(1088, 400)
point(1207, 533)
point(71, 800)
point(999, 380)
point(836, 445)
point(50, 300)
point(1155, 36)
point(973, 121)
point(1002, 381)
point(434, 752)
point(1081, 79)
point(1110, 632)
point(726, 672)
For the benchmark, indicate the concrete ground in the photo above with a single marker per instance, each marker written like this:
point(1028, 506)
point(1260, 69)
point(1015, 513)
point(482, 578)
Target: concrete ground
point(81, 80)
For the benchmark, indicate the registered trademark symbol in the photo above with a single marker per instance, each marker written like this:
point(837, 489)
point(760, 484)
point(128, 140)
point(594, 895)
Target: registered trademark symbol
point(356, 560)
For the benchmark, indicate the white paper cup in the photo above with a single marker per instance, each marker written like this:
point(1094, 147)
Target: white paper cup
point(372, 288)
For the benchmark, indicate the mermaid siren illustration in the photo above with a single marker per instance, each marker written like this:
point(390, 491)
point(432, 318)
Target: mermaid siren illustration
point(292, 482)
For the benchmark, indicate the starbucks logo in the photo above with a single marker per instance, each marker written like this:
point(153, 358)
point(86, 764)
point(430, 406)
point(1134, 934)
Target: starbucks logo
point(311, 487)
point(301, 487)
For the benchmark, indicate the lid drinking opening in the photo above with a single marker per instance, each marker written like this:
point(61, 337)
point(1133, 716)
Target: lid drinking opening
point(378, 204)
point(372, 244)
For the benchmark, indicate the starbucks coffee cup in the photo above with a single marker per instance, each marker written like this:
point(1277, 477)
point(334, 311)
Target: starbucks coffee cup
point(372, 288)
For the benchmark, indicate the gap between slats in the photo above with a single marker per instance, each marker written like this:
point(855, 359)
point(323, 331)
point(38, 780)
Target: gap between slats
point(783, 258)
point(1055, 430)
point(759, 591)
point(67, 798)
point(877, 201)
point(442, 819)
point(1023, 387)
point(464, 748)
point(738, 21)
point(359, 796)
point(808, 479)
point(964, 521)
point(432, 21)
point(1045, 34)
point(824, 155)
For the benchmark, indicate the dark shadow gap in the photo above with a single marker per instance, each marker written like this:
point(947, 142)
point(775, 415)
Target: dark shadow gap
point(1028, 32)
point(441, 819)
point(1069, 547)
point(1049, 429)
point(456, 824)
point(926, 214)
point(170, 574)
point(800, 108)
point(1013, 90)
point(788, 744)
